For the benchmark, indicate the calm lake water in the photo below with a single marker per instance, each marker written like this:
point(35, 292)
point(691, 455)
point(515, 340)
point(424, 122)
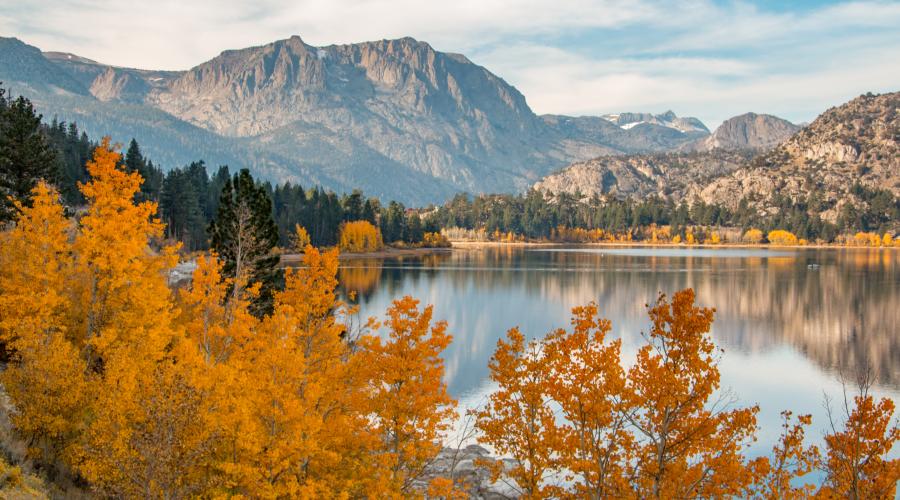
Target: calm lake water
point(788, 320)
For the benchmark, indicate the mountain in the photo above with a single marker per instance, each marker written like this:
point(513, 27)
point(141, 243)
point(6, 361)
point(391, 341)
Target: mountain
point(639, 176)
point(394, 117)
point(855, 143)
point(667, 119)
point(747, 131)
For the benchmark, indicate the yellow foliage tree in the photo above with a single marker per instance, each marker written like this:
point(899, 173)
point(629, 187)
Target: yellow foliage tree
point(689, 237)
point(781, 237)
point(300, 239)
point(753, 236)
point(438, 240)
point(713, 239)
point(360, 236)
point(46, 377)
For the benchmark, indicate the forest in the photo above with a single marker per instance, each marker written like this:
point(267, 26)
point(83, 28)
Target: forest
point(249, 382)
point(536, 217)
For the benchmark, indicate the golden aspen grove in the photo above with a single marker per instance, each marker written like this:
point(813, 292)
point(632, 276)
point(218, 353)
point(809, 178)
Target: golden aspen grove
point(131, 388)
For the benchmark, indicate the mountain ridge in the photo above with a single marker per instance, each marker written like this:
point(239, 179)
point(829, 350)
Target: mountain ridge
point(342, 116)
point(834, 167)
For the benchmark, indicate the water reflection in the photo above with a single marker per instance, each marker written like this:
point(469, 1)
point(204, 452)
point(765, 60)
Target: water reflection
point(788, 320)
point(836, 307)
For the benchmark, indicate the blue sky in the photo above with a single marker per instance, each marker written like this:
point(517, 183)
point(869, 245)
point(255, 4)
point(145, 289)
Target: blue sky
point(710, 59)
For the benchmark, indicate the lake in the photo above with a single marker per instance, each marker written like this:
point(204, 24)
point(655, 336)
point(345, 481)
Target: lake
point(788, 320)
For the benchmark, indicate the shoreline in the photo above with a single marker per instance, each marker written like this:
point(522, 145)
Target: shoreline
point(642, 244)
point(388, 252)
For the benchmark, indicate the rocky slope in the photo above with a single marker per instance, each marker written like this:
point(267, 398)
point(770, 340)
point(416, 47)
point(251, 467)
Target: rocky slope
point(639, 176)
point(747, 131)
point(394, 117)
point(857, 142)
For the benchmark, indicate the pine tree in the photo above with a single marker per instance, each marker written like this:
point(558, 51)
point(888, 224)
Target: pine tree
point(153, 177)
point(25, 154)
point(181, 210)
point(244, 235)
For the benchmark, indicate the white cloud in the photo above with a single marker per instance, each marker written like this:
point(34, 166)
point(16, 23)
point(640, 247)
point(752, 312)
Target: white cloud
point(556, 81)
point(173, 34)
point(698, 57)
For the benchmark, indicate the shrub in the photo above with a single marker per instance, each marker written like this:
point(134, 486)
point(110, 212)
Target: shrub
point(360, 236)
point(867, 239)
point(435, 240)
point(782, 237)
point(753, 236)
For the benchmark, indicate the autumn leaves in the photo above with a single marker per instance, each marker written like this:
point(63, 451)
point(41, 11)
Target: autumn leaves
point(580, 426)
point(143, 392)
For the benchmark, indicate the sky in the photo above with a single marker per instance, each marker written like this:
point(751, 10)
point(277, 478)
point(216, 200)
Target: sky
point(703, 58)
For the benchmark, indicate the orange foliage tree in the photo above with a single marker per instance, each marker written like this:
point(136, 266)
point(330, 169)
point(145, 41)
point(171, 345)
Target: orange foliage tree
point(518, 420)
point(686, 444)
point(856, 463)
point(407, 398)
point(140, 393)
point(791, 460)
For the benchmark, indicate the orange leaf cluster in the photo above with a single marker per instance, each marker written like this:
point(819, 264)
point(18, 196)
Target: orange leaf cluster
point(579, 426)
point(143, 393)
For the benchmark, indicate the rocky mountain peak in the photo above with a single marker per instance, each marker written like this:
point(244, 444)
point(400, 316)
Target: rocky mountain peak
point(855, 143)
point(747, 131)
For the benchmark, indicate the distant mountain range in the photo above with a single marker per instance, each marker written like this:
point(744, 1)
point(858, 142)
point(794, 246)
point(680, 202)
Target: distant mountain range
point(757, 158)
point(394, 117)
point(667, 119)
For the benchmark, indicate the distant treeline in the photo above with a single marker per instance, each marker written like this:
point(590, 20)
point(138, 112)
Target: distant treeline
point(536, 216)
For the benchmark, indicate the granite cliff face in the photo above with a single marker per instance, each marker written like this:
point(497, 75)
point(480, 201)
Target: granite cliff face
point(638, 176)
point(747, 131)
point(678, 174)
point(857, 142)
point(394, 117)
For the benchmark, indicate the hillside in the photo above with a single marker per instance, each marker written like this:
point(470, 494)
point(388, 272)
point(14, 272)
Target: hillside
point(675, 174)
point(857, 143)
point(833, 167)
point(639, 176)
point(394, 117)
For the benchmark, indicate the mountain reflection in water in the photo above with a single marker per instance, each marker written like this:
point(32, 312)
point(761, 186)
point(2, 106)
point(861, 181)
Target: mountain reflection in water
point(788, 321)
